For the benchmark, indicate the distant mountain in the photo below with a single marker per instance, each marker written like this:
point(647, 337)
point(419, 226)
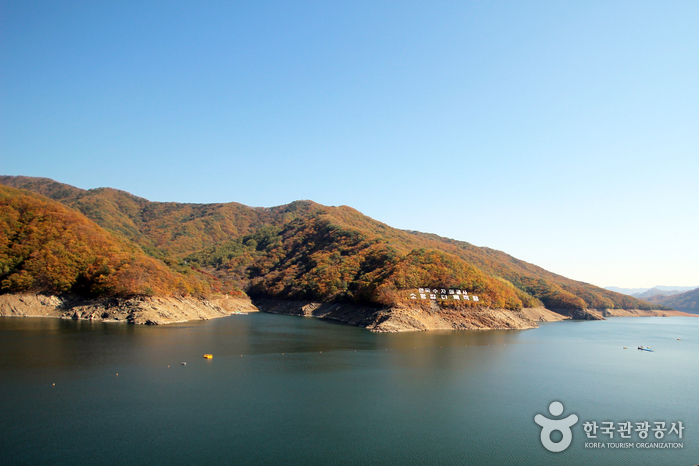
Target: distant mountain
point(686, 302)
point(656, 292)
point(626, 291)
point(307, 251)
point(675, 288)
point(636, 292)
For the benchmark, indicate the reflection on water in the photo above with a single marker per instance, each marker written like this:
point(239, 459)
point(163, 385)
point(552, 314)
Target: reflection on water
point(289, 390)
point(34, 342)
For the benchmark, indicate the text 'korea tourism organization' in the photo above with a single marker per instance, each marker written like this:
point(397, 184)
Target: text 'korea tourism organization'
point(628, 434)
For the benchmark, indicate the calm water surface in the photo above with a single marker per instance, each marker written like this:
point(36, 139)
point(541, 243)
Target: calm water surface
point(289, 390)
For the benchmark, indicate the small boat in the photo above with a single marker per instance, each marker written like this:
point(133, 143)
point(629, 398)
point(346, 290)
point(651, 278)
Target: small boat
point(647, 348)
point(209, 356)
point(184, 363)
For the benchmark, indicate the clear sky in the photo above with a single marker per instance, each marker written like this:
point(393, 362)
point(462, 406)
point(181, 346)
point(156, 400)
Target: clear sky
point(563, 133)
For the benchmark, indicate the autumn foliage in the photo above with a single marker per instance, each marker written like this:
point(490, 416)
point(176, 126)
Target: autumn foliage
point(300, 250)
point(45, 246)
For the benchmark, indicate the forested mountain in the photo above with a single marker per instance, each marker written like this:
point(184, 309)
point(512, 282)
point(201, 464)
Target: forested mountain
point(304, 250)
point(162, 229)
point(45, 246)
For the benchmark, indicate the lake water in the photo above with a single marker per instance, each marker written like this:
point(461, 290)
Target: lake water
point(290, 390)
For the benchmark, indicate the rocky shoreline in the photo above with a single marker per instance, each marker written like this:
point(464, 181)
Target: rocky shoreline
point(393, 320)
point(168, 310)
point(382, 320)
point(138, 310)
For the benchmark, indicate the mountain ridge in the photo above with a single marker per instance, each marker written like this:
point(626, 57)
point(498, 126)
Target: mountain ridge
point(307, 251)
point(637, 291)
point(655, 292)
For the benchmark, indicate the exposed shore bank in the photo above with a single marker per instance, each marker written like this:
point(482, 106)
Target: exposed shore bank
point(168, 310)
point(415, 319)
point(139, 310)
point(411, 319)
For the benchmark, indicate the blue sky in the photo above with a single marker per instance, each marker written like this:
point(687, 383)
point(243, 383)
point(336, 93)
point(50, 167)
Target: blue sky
point(565, 134)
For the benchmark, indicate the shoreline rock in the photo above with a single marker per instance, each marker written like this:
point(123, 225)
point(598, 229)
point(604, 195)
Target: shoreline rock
point(138, 310)
point(393, 320)
point(169, 310)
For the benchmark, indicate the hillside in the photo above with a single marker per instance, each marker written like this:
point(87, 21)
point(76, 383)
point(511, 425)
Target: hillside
point(46, 247)
point(162, 229)
point(307, 252)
